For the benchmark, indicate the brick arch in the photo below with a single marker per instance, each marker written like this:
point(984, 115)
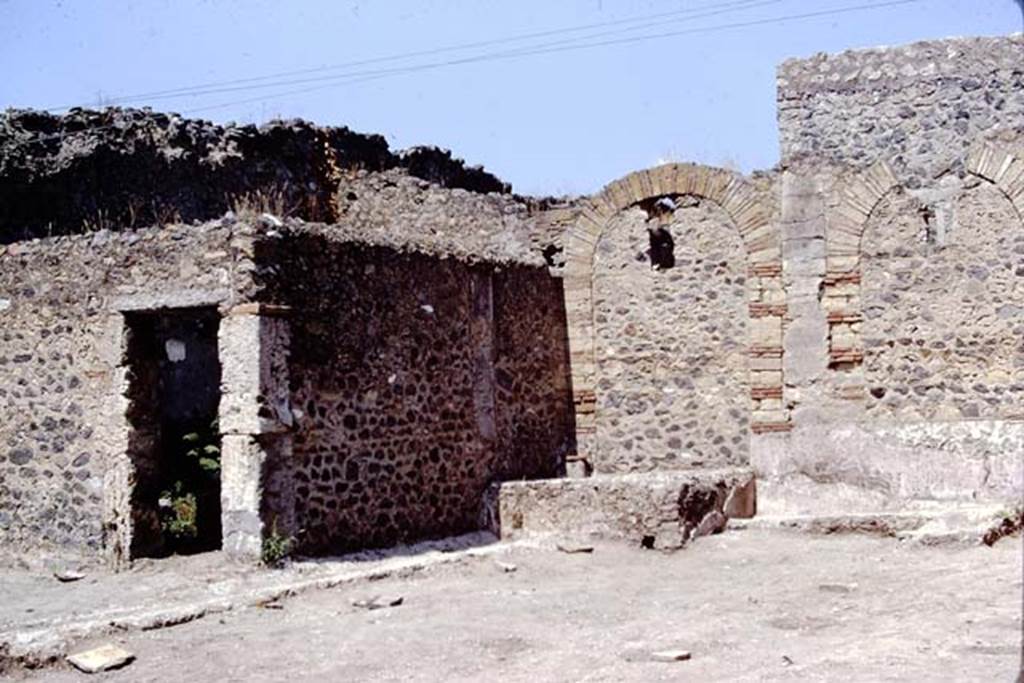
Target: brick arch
point(766, 297)
point(854, 205)
point(1002, 169)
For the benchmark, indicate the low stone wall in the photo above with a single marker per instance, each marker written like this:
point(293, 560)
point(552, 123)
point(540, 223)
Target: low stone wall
point(662, 510)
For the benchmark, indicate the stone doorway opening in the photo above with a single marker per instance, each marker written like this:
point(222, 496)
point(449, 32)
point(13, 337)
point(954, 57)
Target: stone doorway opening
point(174, 376)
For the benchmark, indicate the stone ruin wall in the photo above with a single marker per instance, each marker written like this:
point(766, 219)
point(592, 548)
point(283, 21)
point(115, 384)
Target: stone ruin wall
point(417, 382)
point(919, 107)
point(130, 168)
point(675, 307)
point(399, 209)
point(315, 319)
point(855, 315)
point(943, 313)
point(904, 257)
point(61, 369)
point(673, 389)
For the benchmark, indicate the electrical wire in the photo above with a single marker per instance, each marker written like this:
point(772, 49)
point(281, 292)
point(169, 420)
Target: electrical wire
point(375, 75)
point(358, 77)
point(663, 17)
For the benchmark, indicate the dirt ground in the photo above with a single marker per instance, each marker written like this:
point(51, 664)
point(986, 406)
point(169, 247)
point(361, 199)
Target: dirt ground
point(748, 604)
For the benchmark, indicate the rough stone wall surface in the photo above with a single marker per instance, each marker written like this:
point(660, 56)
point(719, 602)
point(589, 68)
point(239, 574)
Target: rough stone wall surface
point(121, 168)
point(418, 382)
point(944, 310)
point(612, 301)
point(533, 396)
point(59, 357)
point(403, 210)
point(671, 341)
point(902, 269)
point(919, 106)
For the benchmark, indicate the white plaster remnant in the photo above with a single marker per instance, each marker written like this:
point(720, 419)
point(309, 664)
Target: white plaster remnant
point(175, 350)
point(270, 220)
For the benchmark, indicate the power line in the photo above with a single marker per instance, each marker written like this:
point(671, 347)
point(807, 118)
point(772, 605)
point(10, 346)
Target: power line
point(255, 83)
point(691, 13)
point(378, 74)
point(331, 81)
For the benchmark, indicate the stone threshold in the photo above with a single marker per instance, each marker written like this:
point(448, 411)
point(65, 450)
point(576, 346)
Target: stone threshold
point(931, 524)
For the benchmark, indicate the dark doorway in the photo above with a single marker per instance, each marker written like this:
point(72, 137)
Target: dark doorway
point(174, 444)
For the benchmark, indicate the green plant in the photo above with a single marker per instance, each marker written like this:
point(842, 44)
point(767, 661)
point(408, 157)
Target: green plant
point(204, 447)
point(178, 512)
point(179, 506)
point(276, 546)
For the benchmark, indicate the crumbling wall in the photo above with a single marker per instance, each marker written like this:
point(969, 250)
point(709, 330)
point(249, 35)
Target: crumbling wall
point(418, 381)
point(121, 168)
point(396, 208)
point(670, 318)
point(920, 107)
point(60, 357)
point(901, 264)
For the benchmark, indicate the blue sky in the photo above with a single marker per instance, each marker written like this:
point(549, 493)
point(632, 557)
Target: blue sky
point(554, 123)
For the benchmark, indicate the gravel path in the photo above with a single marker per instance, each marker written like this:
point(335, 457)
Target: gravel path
point(749, 605)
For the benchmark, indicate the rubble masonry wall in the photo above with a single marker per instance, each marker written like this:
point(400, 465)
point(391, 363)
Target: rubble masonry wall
point(62, 377)
point(416, 383)
point(904, 265)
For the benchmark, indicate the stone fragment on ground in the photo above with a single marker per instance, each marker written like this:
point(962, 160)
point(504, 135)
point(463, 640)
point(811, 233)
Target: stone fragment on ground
point(837, 587)
point(575, 548)
point(68, 575)
point(671, 656)
point(714, 522)
point(103, 658)
point(378, 602)
point(1009, 524)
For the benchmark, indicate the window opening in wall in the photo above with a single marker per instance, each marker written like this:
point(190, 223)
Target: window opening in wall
point(554, 256)
point(931, 235)
point(174, 444)
point(663, 248)
point(661, 251)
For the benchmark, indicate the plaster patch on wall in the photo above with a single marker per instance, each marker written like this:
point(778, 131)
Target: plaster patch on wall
point(175, 349)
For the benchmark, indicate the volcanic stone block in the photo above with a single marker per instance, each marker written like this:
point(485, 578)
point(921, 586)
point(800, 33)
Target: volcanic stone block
point(663, 510)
